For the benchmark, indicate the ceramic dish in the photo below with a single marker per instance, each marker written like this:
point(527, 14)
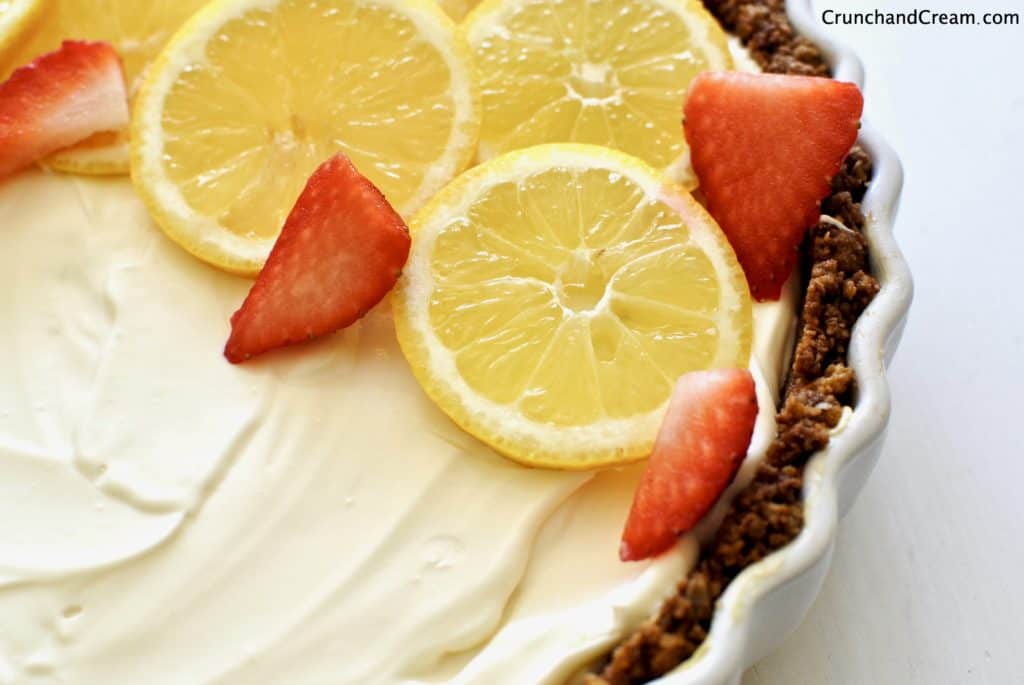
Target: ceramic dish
point(766, 602)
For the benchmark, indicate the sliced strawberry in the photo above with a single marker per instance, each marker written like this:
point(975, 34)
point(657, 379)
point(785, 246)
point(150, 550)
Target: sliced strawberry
point(765, 148)
point(341, 250)
point(59, 99)
point(702, 442)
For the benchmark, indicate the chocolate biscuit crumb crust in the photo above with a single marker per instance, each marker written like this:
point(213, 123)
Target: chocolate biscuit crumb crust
point(768, 514)
point(763, 27)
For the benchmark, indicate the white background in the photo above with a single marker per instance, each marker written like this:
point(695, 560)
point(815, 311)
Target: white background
point(927, 584)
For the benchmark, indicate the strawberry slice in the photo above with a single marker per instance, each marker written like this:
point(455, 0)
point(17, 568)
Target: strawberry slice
point(702, 442)
point(341, 250)
point(765, 148)
point(59, 99)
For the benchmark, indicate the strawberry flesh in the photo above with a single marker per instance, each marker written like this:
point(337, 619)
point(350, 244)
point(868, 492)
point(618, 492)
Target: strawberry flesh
point(59, 99)
point(765, 148)
point(702, 442)
point(342, 248)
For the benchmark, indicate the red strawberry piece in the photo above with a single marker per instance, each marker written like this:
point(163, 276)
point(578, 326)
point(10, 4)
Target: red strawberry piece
point(58, 100)
point(341, 250)
point(702, 442)
point(765, 148)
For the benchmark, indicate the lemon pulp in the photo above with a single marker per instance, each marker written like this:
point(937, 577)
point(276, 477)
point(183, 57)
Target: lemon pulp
point(553, 296)
point(607, 72)
point(251, 96)
point(457, 9)
point(17, 17)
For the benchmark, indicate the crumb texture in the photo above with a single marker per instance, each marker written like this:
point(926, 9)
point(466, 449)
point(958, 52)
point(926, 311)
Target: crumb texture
point(763, 27)
point(768, 514)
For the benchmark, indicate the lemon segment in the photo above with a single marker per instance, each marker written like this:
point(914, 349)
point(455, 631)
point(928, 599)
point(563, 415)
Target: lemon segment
point(457, 9)
point(554, 294)
point(251, 95)
point(137, 30)
point(606, 72)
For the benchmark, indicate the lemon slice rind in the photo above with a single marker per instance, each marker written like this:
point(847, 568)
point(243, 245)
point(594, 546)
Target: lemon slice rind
point(108, 160)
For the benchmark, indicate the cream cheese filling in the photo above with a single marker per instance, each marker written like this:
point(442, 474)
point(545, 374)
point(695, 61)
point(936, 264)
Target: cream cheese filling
point(310, 517)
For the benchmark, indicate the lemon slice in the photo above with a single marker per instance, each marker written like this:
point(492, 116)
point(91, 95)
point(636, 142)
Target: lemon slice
point(607, 72)
point(251, 95)
point(16, 18)
point(553, 295)
point(137, 30)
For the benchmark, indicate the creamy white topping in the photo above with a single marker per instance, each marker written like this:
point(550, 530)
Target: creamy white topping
point(309, 517)
point(741, 59)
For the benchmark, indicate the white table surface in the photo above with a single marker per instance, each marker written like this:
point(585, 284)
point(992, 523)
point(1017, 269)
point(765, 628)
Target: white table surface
point(926, 583)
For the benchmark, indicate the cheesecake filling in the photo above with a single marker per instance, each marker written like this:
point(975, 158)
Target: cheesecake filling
point(166, 517)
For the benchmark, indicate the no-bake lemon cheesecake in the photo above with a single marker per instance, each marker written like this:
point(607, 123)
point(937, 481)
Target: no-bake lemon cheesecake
point(345, 510)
